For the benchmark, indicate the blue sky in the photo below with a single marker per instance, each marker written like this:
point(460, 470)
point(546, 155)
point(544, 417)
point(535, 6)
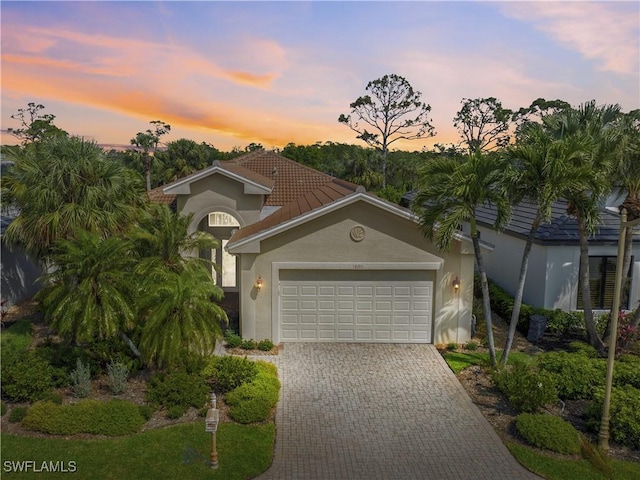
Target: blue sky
point(231, 73)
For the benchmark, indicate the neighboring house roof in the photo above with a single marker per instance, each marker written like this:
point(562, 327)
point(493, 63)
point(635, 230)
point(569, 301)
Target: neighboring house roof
point(282, 180)
point(562, 229)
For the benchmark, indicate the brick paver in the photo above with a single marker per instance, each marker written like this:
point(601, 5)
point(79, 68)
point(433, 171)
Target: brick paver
point(364, 411)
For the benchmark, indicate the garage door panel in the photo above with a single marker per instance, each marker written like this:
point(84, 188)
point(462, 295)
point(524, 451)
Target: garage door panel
point(327, 305)
point(326, 319)
point(364, 306)
point(356, 306)
point(309, 290)
point(326, 290)
point(346, 305)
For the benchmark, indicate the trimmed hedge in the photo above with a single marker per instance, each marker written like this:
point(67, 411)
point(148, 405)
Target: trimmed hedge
point(624, 415)
point(252, 402)
point(229, 372)
point(549, 432)
point(576, 375)
point(113, 418)
point(558, 321)
point(177, 390)
point(29, 378)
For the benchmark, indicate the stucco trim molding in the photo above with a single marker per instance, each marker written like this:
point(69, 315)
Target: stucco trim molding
point(358, 266)
point(183, 187)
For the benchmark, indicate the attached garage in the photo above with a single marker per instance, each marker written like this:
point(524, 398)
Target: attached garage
point(356, 306)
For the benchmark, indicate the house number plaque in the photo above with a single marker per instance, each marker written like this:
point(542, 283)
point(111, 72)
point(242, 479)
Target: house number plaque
point(357, 233)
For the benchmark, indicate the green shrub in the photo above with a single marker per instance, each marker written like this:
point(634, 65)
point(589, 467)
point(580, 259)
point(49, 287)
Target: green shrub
point(249, 344)
point(253, 402)
point(28, 379)
point(65, 356)
point(526, 387)
point(471, 345)
point(584, 348)
point(265, 345)
point(624, 415)
point(17, 414)
point(627, 372)
point(15, 340)
point(176, 412)
point(576, 375)
point(3, 408)
point(229, 372)
point(549, 432)
point(147, 411)
point(51, 396)
point(113, 418)
point(117, 373)
point(233, 340)
point(177, 389)
point(81, 380)
point(452, 346)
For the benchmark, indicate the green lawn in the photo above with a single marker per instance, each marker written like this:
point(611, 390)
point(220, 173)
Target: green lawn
point(555, 468)
point(458, 361)
point(177, 452)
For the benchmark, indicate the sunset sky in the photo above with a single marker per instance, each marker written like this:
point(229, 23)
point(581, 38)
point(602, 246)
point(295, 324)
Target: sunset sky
point(231, 73)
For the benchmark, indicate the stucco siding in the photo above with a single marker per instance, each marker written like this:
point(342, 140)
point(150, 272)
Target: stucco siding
point(19, 275)
point(220, 193)
point(388, 239)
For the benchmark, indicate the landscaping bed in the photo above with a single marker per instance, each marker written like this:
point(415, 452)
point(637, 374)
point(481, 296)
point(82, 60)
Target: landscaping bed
point(501, 414)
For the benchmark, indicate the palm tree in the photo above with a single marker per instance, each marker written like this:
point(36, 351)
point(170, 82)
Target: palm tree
point(449, 194)
point(64, 185)
point(594, 125)
point(180, 317)
point(162, 240)
point(91, 293)
point(543, 168)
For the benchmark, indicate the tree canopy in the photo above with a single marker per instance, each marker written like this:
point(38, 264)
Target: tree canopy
point(393, 111)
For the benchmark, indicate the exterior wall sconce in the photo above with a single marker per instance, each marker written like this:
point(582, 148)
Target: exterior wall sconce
point(259, 283)
point(456, 284)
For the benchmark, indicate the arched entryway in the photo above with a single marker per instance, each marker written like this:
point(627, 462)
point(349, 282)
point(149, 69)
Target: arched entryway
point(222, 225)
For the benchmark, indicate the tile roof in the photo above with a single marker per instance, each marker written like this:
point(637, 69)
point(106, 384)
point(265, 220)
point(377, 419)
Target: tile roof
point(562, 229)
point(305, 203)
point(286, 178)
point(292, 179)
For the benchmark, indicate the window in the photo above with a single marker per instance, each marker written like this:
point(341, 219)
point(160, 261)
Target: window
point(222, 219)
point(602, 277)
point(226, 276)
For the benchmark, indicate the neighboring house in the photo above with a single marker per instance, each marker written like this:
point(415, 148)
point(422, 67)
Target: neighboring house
point(554, 264)
point(308, 257)
point(18, 271)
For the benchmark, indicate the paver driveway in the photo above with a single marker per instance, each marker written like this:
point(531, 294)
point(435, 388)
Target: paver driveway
point(364, 411)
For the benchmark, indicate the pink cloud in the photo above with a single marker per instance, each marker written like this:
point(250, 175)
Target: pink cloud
point(604, 31)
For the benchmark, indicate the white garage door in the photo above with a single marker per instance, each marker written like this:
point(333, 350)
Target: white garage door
point(356, 306)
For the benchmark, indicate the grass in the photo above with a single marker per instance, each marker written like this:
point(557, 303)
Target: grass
point(182, 451)
point(458, 361)
point(557, 468)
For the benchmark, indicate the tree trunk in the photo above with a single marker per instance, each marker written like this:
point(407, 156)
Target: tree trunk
point(147, 169)
point(517, 302)
point(384, 167)
point(594, 338)
point(486, 301)
point(129, 343)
